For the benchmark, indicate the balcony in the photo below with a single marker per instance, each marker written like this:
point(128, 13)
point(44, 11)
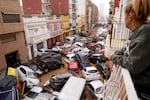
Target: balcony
point(120, 81)
point(118, 40)
point(38, 38)
point(121, 84)
point(56, 33)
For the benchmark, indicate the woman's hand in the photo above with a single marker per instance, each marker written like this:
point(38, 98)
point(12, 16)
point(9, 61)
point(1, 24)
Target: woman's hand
point(110, 63)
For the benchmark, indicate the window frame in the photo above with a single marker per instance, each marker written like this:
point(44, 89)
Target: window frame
point(10, 17)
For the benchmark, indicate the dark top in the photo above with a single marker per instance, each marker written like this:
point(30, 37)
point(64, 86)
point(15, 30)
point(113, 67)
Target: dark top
point(135, 56)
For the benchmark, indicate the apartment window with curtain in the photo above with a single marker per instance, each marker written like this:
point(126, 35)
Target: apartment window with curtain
point(10, 17)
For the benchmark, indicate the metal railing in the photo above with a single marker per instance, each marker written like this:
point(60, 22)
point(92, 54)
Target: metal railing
point(119, 86)
point(119, 36)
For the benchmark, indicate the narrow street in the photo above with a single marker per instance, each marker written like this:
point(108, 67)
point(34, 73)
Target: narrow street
point(48, 43)
point(48, 75)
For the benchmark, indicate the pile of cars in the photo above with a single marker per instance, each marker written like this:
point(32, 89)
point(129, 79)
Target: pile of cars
point(82, 55)
point(36, 93)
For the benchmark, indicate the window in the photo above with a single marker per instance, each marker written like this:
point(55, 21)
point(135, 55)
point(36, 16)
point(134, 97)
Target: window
point(7, 38)
point(98, 90)
point(91, 87)
point(92, 71)
point(51, 27)
point(58, 26)
point(10, 17)
point(40, 45)
point(23, 71)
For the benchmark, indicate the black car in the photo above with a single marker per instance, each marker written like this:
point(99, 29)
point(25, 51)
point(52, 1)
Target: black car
point(47, 64)
point(49, 61)
point(51, 55)
point(104, 70)
point(94, 58)
point(57, 81)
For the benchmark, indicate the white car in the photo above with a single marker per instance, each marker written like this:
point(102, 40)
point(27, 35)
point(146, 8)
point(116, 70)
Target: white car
point(28, 76)
point(100, 44)
point(76, 50)
point(85, 51)
point(102, 33)
point(78, 44)
point(70, 39)
point(90, 73)
point(36, 94)
point(42, 51)
point(69, 57)
point(73, 89)
point(57, 48)
point(95, 88)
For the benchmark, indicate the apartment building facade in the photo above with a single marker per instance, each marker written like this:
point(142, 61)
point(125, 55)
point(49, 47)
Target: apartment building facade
point(65, 26)
point(12, 41)
point(60, 7)
point(92, 15)
point(30, 8)
point(73, 14)
point(54, 26)
point(95, 16)
point(36, 34)
point(81, 19)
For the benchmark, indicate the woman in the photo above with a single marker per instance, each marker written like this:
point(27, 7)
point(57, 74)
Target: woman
point(136, 55)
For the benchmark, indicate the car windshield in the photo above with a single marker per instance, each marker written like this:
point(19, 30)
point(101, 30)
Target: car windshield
point(32, 75)
point(92, 71)
point(32, 94)
point(85, 60)
point(39, 50)
point(64, 75)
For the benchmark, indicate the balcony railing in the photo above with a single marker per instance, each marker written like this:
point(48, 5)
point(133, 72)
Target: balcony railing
point(119, 86)
point(120, 36)
point(38, 38)
point(117, 40)
point(56, 33)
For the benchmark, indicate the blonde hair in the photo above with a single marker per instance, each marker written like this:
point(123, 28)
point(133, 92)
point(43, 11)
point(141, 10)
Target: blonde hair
point(141, 9)
point(129, 8)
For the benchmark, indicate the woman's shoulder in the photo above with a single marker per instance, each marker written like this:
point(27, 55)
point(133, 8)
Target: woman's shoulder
point(145, 31)
point(145, 26)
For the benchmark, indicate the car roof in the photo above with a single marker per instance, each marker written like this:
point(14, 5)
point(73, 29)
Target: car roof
point(82, 55)
point(70, 55)
point(73, 64)
point(91, 68)
point(25, 68)
point(100, 42)
point(43, 49)
point(37, 89)
point(97, 54)
point(63, 75)
point(72, 89)
point(96, 83)
point(70, 37)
